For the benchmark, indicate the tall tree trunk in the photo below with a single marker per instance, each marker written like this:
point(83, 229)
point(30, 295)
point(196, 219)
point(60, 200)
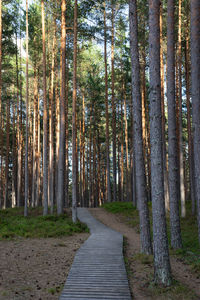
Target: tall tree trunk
point(162, 272)
point(67, 135)
point(34, 140)
point(108, 189)
point(38, 157)
point(1, 122)
point(181, 165)
point(195, 91)
point(6, 196)
point(19, 131)
point(61, 158)
point(74, 177)
point(190, 138)
point(172, 141)
point(126, 143)
point(83, 145)
point(27, 121)
point(45, 121)
point(122, 152)
point(166, 187)
point(145, 236)
point(113, 100)
point(14, 160)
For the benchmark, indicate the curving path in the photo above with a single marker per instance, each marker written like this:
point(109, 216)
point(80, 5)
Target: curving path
point(98, 271)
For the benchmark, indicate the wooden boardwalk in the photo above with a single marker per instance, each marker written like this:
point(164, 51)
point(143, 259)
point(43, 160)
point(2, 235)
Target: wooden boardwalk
point(98, 271)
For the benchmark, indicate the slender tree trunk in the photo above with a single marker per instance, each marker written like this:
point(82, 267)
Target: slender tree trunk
point(19, 132)
point(6, 196)
point(172, 141)
point(162, 272)
point(83, 145)
point(145, 236)
point(38, 189)
point(190, 138)
point(27, 121)
point(166, 187)
point(67, 136)
point(108, 189)
point(122, 153)
point(113, 100)
point(14, 158)
point(74, 177)
point(182, 188)
point(195, 91)
point(1, 122)
point(126, 143)
point(45, 121)
point(34, 140)
point(61, 158)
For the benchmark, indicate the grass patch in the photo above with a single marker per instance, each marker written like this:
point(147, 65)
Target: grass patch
point(13, 224)
point(56, 290)
point(176, 291)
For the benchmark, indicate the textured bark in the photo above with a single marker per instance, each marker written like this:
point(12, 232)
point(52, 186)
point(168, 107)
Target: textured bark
point(51, 124)
point(181, 164)
point(45, 120)
point(145, 236)
point(74, 177)
point(37, 183)
point(61, 156)
point(162, 273)
point(189, 129)
point(1, 123)
point(14, 159)
point(113, 100)
point(27, 121)
point(122, 153)
point(108, 189)
point(66, 203)
point(172, 141)
point(83, 148)
point(6, 196)
point(128, 192)
point(166, 187)
point(195, 91)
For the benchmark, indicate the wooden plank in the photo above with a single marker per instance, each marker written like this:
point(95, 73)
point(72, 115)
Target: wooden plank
point(98, 271)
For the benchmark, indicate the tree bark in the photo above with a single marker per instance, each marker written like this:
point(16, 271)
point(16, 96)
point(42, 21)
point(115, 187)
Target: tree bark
point(190, 138)
point(181, 164)
point(27, 121)
point(176, 241)
point(166, 187)
point(45, 121)
point(74, 130)
point(162, 272)
point(145, 236)
point(195, 91)
point(108, 189)
point(113, 101)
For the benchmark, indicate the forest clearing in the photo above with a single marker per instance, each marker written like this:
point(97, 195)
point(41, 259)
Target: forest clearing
point(100, 122)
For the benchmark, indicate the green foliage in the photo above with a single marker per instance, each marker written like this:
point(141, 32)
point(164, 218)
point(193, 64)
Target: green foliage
point(13, 225)
point(120, 207)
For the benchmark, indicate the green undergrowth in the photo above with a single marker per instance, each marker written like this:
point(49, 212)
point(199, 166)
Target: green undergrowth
point(13, 224)
point(189, 254)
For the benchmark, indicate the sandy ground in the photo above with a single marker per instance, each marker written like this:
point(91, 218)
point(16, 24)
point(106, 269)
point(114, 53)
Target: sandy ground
point(36, 268)
point(138, 272)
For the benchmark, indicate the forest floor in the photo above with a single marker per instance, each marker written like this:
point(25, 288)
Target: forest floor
point(36, 268)
point(140, 267)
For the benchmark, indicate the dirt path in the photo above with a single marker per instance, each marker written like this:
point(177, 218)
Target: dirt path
point(36, 268)
point(141, 271)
